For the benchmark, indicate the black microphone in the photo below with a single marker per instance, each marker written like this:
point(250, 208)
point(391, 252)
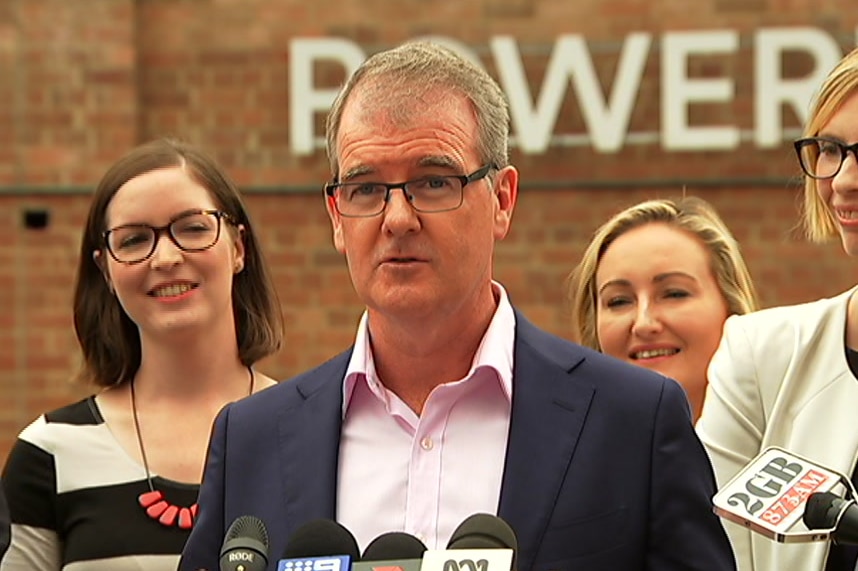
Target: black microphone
point(245, 546)
point(483, 541)
point(320, 545)
point(826, 510)
point(483, 531)
point(395, 549)
point(394, 545)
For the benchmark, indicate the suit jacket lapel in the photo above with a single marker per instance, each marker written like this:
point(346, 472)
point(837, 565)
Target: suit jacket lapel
point(309, 435)
point(548, 411)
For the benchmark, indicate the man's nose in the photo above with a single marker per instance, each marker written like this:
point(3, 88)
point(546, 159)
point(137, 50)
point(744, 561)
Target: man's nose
point(399, 215)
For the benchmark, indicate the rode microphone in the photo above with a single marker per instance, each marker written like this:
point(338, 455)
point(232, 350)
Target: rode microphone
point(245, 546)
point(320, 545)
point(482, 542)
point(830, 512)
point(392, 551)
point(769, 496)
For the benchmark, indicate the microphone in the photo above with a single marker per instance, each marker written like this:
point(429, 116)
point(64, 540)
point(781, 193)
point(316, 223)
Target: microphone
point(832, 513)
point(392, 551)
point(320, 545)
point(245, 546)
point(769, 496)
point(482, 542)
point(483, 531)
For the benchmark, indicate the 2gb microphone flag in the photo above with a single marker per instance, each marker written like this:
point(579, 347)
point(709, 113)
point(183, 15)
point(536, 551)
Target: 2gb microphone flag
point(769, 495)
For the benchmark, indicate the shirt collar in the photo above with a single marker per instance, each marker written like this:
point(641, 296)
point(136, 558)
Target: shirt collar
point(495, 352)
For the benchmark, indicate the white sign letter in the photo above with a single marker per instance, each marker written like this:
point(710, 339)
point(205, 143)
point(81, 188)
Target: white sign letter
point(304, 100)
point(772, 91)
point(607, 124)
point(678, 91)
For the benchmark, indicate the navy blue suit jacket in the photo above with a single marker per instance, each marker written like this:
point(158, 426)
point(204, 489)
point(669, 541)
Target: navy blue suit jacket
point(603, 469)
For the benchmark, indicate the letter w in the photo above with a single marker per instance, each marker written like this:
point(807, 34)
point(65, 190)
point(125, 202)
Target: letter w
point(607, 125)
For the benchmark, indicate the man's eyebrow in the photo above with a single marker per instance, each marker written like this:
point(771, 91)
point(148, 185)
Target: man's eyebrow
point(442, 161)
point(353, 172)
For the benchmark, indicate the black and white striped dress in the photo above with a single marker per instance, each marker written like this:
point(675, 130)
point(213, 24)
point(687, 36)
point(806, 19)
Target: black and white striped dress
point(72, 493)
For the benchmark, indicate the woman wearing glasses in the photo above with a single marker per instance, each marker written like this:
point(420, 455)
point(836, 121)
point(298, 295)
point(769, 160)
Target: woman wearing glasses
point(788, 376)
point(173, 305)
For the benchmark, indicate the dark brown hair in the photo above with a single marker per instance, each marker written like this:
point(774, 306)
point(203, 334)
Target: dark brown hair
point(108, 338)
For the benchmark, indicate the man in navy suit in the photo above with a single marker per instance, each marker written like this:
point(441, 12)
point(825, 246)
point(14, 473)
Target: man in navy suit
point(450, 402)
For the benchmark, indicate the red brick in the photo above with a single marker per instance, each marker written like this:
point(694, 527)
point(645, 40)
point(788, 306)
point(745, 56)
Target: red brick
point(122, 72)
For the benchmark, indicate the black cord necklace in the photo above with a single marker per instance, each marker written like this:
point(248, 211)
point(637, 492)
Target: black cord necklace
point(153, 501)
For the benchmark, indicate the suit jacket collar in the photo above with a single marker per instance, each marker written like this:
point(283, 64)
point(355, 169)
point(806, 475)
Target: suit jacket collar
point(309, 435)
point(548, 413)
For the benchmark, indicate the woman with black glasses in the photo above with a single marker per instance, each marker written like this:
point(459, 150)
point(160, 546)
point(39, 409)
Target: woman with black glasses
point(788, 376)
point(173, 305)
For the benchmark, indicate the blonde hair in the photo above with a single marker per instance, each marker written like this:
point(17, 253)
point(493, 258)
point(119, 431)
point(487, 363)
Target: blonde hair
point(816, 218)
point(691, 214)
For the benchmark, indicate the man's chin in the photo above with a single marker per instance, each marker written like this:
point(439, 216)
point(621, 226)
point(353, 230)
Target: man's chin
point(403, 303)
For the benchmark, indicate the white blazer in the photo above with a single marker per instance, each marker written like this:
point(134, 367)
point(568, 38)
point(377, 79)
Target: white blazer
point(780, 377)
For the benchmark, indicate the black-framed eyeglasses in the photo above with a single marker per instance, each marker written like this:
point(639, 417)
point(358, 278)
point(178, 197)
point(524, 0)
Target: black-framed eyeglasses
point(192, 231)
point(822, 157)
point(428, 194)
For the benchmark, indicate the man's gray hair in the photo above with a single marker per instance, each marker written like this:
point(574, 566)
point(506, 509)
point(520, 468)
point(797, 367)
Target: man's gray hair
point(402, 75)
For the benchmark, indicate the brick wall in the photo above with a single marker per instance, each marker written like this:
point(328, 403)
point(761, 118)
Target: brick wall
point(82, 81)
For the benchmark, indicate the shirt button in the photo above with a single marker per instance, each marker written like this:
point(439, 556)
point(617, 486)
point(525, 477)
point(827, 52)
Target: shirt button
point(426, 443)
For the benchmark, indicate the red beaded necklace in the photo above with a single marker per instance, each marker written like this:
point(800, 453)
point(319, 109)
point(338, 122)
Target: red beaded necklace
point(153, 501)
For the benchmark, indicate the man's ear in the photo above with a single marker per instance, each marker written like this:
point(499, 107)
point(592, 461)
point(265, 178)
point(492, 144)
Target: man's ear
point(99, 260)
point(336, 223)
point(506, 191)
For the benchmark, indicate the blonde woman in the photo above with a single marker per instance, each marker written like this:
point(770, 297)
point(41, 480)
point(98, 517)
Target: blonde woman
point(655, 286)
point(788, 376)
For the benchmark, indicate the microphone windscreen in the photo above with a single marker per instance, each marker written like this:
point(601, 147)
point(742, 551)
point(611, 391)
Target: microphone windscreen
point(394, 545)
point(246, 531)
point(483, 531)
point(822, 510)
point(320, 538)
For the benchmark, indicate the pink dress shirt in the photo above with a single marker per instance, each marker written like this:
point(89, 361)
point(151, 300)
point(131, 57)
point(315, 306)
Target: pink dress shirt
point(425, 474)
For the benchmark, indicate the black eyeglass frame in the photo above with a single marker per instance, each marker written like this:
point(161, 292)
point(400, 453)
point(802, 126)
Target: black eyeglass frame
point(166, 229)
point(464, 179)
point(845, 149)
